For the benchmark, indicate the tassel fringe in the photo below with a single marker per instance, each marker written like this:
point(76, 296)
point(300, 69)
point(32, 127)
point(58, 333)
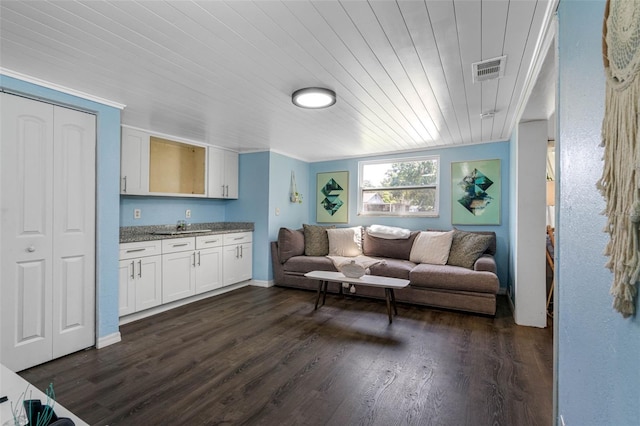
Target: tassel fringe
point(619, 187)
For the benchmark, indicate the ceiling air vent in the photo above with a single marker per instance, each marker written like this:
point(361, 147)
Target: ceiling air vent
point(489, 69)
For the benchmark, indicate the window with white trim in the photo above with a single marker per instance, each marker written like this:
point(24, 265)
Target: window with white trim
point(399, 187)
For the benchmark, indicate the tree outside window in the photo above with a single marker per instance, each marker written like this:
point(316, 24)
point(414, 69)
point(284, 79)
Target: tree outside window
point(401, 187)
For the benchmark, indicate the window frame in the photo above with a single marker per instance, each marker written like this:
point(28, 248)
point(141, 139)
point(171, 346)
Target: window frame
point(435, 186)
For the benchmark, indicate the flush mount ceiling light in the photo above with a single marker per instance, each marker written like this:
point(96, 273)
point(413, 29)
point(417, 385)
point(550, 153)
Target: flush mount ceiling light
point(313, 97)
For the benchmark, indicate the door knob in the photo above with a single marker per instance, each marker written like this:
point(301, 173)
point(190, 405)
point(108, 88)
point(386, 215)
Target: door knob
point(31, 249)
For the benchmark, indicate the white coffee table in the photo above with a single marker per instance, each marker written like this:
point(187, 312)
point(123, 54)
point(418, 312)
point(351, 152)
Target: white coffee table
point(389, 284)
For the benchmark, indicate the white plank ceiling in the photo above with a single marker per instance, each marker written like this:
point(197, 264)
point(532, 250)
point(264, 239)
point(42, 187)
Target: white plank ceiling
point(222, 73)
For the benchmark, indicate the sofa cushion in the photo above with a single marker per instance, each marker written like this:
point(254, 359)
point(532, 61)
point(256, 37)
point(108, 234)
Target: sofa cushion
point(395, 249)
point(316, 240)
point(290, 243)
point(453, 278)
point(304, 264)
point(394, 268)
point(431, 247)
point(467, 247)
point(345, 241)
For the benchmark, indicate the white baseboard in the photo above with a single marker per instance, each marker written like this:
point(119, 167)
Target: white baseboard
point(108, 340)
point(171, 305)
point(260, 283)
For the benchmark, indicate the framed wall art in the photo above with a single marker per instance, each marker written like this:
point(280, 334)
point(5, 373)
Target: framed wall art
point(475, 192)
point(332, 199)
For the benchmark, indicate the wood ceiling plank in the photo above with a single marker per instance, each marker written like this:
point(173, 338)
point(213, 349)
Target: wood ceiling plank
point(296, 46)
point(494, 22)
point(468, 17)
point(418, 22)
point(409, 71)
point(223, 72)
point(443, 23)
point(360, 31)
point(352, 51)
point(519, 45)
point(353, 75)
point(246, 22)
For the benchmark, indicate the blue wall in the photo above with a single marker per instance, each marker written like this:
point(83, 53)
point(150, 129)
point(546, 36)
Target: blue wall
point(253, 206)
point(167, 211)
point(107, 195)
point(499, 150)
point(598, 351)
point(290, 215)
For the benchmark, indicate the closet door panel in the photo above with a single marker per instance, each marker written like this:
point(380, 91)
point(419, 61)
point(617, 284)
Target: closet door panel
point(74, 231)
point(26, 231)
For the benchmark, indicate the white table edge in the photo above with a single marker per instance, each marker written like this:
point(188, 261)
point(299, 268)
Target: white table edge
point(367, 280)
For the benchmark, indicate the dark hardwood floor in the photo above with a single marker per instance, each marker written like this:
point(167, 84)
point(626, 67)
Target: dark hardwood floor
point(263, 356)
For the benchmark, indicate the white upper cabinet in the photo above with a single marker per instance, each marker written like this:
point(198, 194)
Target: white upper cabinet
point(134, 162)
point(223, 173)
point(151, 165)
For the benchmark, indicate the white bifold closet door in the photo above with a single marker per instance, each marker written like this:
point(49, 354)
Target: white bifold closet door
point(47, 231)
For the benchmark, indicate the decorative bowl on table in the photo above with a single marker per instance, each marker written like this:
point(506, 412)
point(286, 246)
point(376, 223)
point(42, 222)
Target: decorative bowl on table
point(352, 270)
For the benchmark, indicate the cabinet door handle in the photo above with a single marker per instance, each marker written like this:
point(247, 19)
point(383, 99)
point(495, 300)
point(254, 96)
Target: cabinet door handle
point(211, 241)
point(179, 245)
point(194, 259)
point(227, 189)
point(223, 190)
point(237, 251)
point(135, 250)
point(198, 258)
point(125, 184)
point(241, 251)
point(140, 268)
point(238, 238)
point(133, 270)
point(31, 249)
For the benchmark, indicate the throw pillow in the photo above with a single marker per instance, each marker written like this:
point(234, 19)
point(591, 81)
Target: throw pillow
point(380, 247)
point(345, 241)
point(431, 247)
point(388, 232)
point(467, 247)
point(316, 240)
point(290, 243)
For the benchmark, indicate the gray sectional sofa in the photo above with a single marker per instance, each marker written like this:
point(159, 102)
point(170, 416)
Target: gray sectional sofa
point(467, 282)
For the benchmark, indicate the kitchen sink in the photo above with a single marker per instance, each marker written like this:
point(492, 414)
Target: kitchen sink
point(194, 231)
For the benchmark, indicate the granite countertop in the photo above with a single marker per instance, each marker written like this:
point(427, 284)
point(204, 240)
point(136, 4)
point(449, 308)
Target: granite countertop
point(131, 234)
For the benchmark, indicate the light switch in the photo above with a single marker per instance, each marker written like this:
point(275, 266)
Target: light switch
point(137, 213)
point(187, 214)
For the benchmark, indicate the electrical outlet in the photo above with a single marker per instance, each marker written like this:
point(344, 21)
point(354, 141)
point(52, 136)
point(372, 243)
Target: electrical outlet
point(277, 211)
point(187, 214)
point(137, 213)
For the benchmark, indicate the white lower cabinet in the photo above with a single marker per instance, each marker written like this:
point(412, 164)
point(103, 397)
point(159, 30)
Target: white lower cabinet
point(237, 257)
point(178, 269)
point(158, 272)
point(209, 264)
point(140, 276)
point(191, 266)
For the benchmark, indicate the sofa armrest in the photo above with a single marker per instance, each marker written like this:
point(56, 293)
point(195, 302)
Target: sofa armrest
point(278, 268)
point(486, 262)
